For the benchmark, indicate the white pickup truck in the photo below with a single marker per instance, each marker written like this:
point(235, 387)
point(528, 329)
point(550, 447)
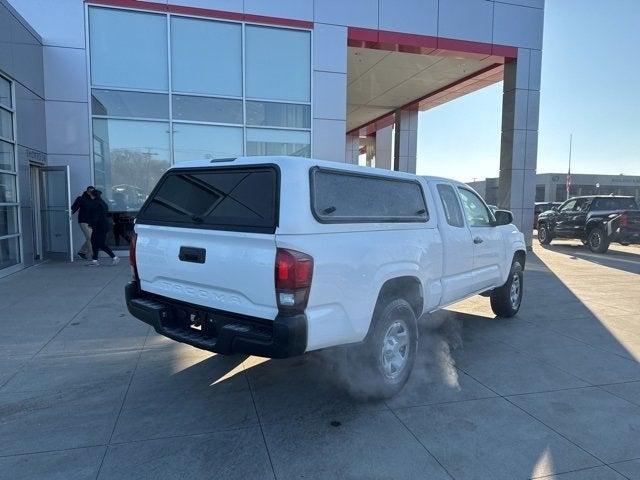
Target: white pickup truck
point(279, 256)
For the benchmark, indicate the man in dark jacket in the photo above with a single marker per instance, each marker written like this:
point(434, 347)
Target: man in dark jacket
point(100, 226)
point(81, 205)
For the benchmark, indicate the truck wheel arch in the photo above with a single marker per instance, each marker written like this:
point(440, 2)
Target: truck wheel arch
point(406, 287)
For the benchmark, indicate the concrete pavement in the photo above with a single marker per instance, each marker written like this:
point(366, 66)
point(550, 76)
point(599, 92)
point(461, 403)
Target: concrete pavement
point(86, 391)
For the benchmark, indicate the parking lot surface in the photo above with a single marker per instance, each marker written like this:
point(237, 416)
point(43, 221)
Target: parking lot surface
point(86, 391)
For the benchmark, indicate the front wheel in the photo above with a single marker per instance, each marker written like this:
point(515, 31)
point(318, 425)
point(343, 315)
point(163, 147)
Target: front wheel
point(506, 300)
point(597, 240)
point(544, 235)
point(382, 364)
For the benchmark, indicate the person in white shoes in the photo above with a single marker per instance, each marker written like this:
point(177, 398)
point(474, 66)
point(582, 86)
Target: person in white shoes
point(99, 227)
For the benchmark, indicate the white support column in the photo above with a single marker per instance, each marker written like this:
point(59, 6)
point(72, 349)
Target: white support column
point(406, 141)
point(384, 148)
point(519, 144)
point(352, 150)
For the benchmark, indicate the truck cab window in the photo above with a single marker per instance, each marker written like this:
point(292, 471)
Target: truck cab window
point(568, 206)
point(450, 205)
point(475, 209)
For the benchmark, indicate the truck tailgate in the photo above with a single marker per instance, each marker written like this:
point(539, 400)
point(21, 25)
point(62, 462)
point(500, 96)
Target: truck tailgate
point(207, 236)
point(230, 271)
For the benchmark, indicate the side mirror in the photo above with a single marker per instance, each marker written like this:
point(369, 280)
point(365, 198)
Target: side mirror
point(555, 208)
point(503, 217)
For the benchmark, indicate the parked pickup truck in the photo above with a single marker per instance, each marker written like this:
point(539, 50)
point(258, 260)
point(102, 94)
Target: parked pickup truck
point(596, 220)
point(279, 256)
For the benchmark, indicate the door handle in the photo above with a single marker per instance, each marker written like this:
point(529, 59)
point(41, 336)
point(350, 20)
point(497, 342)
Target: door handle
point(478, 240)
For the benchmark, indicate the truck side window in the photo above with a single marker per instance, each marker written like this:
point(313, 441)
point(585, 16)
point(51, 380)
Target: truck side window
point(475, 210)
point(350, 197)
point(450, 204)
point(569, 206)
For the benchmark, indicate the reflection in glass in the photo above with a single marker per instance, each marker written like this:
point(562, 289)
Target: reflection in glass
point(116, 103)
point(206, 56)
point(6, 156)
point(9, 252)
point(5, 92)
point(8, 220)
point(205, 109)
point(128, 49)
point(129, 158)
point(6, 124)
point(278, 63)
point(272, 114)
point(205, 142)
point(8, 188)
point(262, 141)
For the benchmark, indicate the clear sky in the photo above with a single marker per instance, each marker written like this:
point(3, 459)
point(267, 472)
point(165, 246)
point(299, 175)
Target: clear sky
point(590, 87)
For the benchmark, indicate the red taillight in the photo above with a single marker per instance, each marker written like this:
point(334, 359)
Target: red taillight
point(624, 220)
point(293, 274)
point(132, 256)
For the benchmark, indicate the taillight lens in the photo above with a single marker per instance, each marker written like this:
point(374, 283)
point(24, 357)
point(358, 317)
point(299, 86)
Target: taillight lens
point(624, 220)
point(293, 274)
point(132, 256)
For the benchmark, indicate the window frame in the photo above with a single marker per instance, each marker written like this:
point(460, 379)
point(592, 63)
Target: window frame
point(209, 226)
point(15, 174)
point(171, 91)
point(359, 220)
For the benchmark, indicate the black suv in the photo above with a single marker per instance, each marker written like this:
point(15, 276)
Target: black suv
point(596, 220)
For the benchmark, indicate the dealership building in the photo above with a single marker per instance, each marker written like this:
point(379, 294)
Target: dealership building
point(113, 92)
point(552, 187)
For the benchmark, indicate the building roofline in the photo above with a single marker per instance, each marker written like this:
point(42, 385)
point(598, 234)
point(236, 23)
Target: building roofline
point(21, 19)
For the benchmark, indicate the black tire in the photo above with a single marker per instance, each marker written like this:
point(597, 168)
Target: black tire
point(544, 235)
point(371, 373)
point(506, 300)
point(597, 240)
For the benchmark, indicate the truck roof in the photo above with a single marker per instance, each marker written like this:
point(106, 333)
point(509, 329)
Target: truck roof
point(296, 162)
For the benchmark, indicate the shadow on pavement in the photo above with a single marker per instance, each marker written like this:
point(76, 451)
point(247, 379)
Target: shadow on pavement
point(621, 260)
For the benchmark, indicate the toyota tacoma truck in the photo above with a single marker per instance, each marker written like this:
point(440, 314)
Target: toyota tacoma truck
point(596, 220)
point(280, 256)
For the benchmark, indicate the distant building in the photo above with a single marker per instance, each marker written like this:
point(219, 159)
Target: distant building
point(551, 187)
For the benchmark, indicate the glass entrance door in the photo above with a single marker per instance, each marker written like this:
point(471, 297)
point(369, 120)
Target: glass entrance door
point(55, 211)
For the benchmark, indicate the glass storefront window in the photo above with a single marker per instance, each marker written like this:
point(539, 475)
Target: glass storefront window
point(213, 89)
point(270, 114)
point(206, 56)
point(8, 220)
point(8, 188)
point(9, 252)
point(6, 156)
point(117, 103)
point(5, 93)
point(278, 63)
point(206, 109)
point(262, 141)
point(128, 49)
point(6, 124)
point(205, 142)
point(133, 155)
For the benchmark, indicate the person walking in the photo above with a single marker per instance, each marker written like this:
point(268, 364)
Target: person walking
point(98, 211)
point(81, 206)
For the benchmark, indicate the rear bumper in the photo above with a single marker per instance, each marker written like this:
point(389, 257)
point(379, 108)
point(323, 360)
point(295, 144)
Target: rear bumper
point(221, 332)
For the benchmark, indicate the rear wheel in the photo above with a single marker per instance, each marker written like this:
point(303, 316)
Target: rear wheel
point(506, 300)
point(597, 240)
point(544, 235)
point(381, 366)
